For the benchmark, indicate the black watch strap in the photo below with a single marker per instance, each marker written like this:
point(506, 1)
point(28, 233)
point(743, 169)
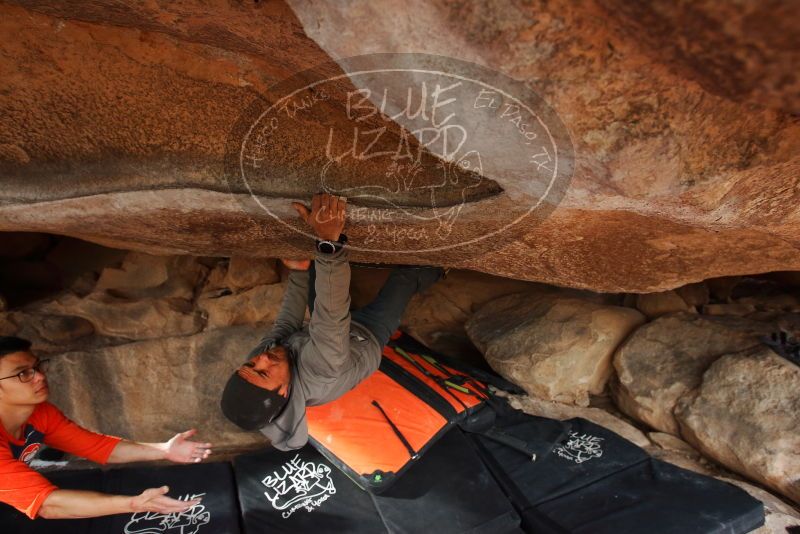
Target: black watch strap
point(331, 247)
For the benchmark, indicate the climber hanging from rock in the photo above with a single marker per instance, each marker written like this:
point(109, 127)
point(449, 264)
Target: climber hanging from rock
point(28, 423)
point(296, 366)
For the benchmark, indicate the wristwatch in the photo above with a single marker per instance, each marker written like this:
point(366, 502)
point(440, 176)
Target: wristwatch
point(329, 247)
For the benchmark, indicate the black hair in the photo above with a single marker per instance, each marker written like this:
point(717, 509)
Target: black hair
point(12, 344)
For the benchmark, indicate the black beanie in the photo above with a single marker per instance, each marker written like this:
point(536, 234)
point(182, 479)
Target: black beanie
point(248, 405)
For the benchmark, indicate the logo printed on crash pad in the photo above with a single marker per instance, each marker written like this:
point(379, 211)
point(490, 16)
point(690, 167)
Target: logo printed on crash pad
point(188, 522)
point(580, 448)
point(298, 484)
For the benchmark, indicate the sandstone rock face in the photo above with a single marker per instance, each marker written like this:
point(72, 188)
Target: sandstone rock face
point(528, 42)
point(745, 415)
point(748, 45)
point(258, 304)
point(150, 390)
point(132, 320)
point(144, 171)
point(555, 348)
point(51, 333)
point(245, 273)
point(666, 358)
point(146, 276)
point(147, 297)
point(436, 317)
point(671, 449)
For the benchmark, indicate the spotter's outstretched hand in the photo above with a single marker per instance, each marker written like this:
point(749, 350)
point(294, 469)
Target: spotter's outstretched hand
point(181, 450)
point(156, 500)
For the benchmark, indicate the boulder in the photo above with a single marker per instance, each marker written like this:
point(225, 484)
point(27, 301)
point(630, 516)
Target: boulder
point(244, 273)
point(554, 347)
point(150, 390)
point(562, 412)
point(666, 358)
point(745, 415)
point(144, 276)
point(670, 449)
point(653, 305)
point(53, 333)
point(215, 281)
point(145, 318)
point(739, 309)
point(255, 305)
point(436, 317)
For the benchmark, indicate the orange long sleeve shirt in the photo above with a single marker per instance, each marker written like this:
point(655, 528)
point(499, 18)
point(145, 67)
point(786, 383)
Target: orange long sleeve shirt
point(22, 487)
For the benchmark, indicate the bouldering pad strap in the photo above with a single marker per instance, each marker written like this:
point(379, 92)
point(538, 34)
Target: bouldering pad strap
point(397, 432)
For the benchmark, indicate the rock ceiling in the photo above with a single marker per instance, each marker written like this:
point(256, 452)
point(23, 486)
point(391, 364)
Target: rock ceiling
point(672, 130)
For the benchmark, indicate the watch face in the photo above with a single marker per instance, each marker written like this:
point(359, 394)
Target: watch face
point(326, 247)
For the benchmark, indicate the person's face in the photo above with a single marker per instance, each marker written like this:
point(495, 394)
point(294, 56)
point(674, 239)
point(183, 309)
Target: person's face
point(15, 392)
point(269, 370)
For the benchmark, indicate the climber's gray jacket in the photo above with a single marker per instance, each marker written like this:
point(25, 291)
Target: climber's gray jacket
point(329, 356)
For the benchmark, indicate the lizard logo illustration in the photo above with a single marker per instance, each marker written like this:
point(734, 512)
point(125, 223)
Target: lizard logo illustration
point(188, 522)
point(580, 448)
point(298, 484)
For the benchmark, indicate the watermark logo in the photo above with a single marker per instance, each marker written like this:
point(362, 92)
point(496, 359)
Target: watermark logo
point(432, 153)
point(298, 485)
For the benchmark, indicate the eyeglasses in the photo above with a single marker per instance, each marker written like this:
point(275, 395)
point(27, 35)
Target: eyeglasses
point(26, 375)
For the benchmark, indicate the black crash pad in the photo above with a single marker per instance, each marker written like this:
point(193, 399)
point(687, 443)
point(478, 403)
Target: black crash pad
point(448, 491)
point(588, 479)
point(218, 513)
